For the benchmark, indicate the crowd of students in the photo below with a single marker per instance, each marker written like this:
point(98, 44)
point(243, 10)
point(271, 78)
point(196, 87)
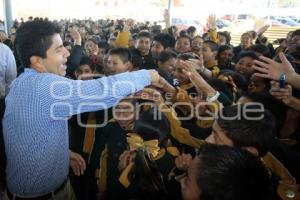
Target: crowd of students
point(221, 123)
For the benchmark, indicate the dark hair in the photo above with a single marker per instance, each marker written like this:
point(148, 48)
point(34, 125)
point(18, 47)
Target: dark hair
point(250, 54)
point(239, 79)
point(245, 132)
point(261, 49)
point(165, 39)
point(123, 53)
point(34, 38)
point(296, 33)
point(191, 29)
point(186, 56)
point(146, 179)
point(276, 107)
point(166, 55)
point(144, 34)
point(103, 45)
point(226, 35)
point(224, 48)
point(85, 60)
point(229, 173)
point(136, 58)
point(183, 36)
point(212, 45)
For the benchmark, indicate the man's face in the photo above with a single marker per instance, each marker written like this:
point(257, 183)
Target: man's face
point(257, 85)
point(84, 73)
point(115, 65)
point(56, 57)
point(156, 49)
point(183, 45)
point(143, 45)
point(218, 136)
point(2, 36)
point(189, 186)
point(246, 41)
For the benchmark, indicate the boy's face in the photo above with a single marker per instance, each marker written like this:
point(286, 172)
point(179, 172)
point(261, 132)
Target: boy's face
point(125, 114)
point(257, 85)
point(91, 48)
point(115, 65)
point(208, 54)
point(244, 66)
point(167, 66)
point(189, 186)
point(143, 45)
point(225, 58)
point(84, 72)
point(56, 58)
point(246, 40)
point(197, 44)
point(218, 136)
point(183, 45)
point(180, 75)
point(156, 49)
point(221, 40)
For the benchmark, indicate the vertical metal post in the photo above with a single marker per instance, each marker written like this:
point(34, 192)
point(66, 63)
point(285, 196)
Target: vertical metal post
point(170, 2)
point(8, 21)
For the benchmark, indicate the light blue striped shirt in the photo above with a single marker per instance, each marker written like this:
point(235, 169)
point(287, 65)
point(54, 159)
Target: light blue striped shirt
point(35, 123)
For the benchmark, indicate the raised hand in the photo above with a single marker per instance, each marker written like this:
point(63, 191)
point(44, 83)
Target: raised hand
point(283, 94)
point(268, 68)
point(76, 36)
point(212, 22)
point(183, 161)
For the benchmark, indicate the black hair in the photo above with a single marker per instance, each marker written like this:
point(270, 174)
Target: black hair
point(224, 48)
point(229, 173)
point(191, 29)
point(145, 178)
point(165, 39)
point(34, 38)
point(239, 79)
point(136, 58)
point(250, 54)
point(144, 34)
point(247, 128)
point(275, 106)
point(186, 56)
point(226, 35)
point(103, 45)
point(296, 33)
point(166, 55)
point(212, 45)
point(183, 36)
point(85, 60)
point(123, 53)
point(261, 49)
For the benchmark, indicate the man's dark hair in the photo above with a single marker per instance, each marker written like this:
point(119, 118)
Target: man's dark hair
point(136, 58)
point(123, 53)
point(248, 126)
point(166, 55)
point(231, 174)
point(34, 38)
point(144, 34)
point(85, 60)
point(212, 45)
point(165, 39)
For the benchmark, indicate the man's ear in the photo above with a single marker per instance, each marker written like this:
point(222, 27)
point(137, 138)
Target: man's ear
point(36, 63)
point(252, 150)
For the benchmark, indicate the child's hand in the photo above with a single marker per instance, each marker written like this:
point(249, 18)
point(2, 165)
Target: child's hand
point(77, 163)
point(183, 161)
